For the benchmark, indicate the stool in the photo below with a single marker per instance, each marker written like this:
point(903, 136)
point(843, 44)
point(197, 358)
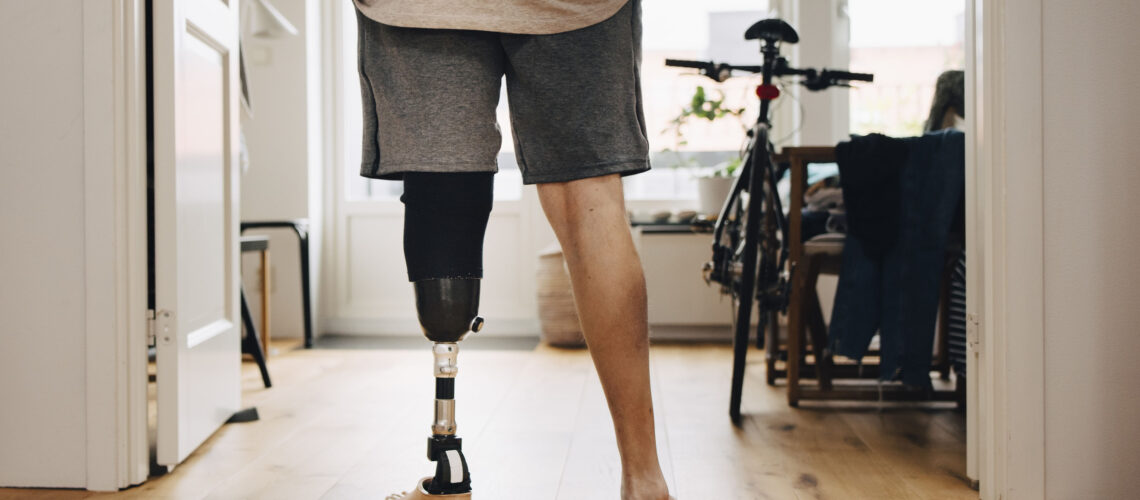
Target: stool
point(301, 228)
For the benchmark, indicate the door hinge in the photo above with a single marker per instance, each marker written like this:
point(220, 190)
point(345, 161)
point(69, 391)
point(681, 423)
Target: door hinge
point(150, 337)
point(158, 324)
point(973, 336)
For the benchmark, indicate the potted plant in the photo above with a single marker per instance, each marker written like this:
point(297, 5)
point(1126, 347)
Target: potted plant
point(713, 183)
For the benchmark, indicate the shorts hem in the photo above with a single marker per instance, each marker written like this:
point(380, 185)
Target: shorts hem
point(395, 172)
point(623, 167)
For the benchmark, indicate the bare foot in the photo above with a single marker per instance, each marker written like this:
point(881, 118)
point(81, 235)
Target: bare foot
point(653, 489)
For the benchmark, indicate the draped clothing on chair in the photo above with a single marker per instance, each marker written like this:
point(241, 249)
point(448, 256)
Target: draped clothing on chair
point(901, 196)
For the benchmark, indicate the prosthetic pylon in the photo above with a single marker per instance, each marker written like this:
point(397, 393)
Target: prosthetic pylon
point(447, 309)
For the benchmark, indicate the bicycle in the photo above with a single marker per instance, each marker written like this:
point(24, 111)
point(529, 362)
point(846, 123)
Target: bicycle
point(743, 263)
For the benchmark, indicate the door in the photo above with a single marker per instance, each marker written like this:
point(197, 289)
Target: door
point(197, 327)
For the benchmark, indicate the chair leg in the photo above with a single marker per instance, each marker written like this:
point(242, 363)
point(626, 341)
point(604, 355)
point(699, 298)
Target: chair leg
point(943, 334)
point(265, 295)
point(795, 339)
point(250, 343)
point(818, 330)
point(307, 310)
point(771, 351)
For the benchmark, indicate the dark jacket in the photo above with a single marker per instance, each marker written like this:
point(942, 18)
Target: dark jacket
point(869, 169)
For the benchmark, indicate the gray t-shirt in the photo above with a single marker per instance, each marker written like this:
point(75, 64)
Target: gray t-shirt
point(534, 17)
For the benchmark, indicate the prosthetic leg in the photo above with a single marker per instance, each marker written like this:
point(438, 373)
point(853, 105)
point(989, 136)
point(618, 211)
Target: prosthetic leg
point(445, 219)
point(447, 309)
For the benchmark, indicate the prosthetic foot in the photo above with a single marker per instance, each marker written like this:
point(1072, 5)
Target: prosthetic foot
point(420, 493)
point(448, 310)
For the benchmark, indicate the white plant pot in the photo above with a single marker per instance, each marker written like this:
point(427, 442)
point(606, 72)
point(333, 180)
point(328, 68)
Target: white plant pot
point(711, 193)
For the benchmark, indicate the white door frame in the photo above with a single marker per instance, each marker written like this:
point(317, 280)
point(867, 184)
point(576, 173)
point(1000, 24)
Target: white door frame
point(1005, 298)
point(114, 115)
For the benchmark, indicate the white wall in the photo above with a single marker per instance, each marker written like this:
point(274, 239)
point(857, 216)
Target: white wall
point(1091, 249)
point(42, 299)
point(283, 137)
point(825, 33)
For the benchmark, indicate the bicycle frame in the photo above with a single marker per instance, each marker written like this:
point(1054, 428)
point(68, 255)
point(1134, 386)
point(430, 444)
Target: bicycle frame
point(753, 162)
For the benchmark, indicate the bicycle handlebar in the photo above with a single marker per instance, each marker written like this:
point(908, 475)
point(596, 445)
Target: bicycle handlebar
point(681, 63)
point(813, 79)
point(835, 74)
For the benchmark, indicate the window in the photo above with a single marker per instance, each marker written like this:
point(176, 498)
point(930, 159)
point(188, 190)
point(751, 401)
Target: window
point(906, 44)
point(684, 29)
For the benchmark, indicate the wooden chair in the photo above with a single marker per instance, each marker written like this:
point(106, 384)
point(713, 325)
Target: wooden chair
point(823, 255)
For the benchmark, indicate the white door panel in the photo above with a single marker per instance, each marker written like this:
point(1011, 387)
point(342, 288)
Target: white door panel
point(200, 180)
point(196, 222)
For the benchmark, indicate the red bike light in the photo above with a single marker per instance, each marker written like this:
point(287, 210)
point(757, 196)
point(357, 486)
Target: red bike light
point(767, 92)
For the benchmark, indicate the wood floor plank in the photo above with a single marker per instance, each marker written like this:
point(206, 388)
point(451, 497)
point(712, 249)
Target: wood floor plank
point(917, 447)
point(352, 424)
point(593, 467)
point(711, 458)
point(524, 446)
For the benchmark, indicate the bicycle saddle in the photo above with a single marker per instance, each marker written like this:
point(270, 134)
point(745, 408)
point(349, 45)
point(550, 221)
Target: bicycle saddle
point(773, 30)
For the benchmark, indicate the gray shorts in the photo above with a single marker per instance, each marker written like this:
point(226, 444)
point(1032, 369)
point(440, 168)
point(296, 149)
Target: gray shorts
point(429, 99)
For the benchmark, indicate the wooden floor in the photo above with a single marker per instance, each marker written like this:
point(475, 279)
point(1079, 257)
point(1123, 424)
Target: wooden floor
point(351, 424)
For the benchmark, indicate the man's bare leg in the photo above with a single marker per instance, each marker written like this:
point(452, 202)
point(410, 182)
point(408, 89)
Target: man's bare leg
point(589, 218)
